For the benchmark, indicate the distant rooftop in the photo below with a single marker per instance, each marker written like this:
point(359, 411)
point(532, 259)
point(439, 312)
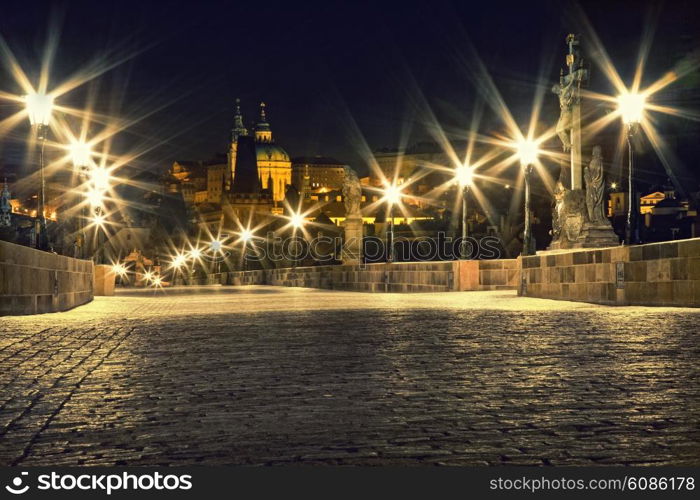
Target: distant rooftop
point(316, 160)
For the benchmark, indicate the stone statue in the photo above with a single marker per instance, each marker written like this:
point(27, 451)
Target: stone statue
point(351, 252)
point(558, 212)
point(352, 193)
point(565, 90)
point(5, 206)
point(595, 188)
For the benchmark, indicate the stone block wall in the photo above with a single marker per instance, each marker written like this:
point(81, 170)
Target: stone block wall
point(104, 280)
point(500, 274)
point(656, 274)
point(32, 281)
point(396, 277)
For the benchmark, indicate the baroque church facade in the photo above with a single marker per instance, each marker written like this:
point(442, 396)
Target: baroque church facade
point(273, 162)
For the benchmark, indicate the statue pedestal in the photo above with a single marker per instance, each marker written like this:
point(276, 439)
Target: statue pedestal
point(352, 243)
point(590, 236)
point(597, 236)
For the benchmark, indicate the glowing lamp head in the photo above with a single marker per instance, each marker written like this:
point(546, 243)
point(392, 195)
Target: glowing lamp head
point(100, 178)
point(99, 219)
point(527, 151)
point(246, 235)
point(631, 107)
point(119, 269)
point(148, 276)
point(216, 245)
point(465, 175)
point(80, 154)
point(95, 197)
point(297, 220)
point(392, 194)
point(157, 281)
point(178, 261)
point(195, 253)
point(39, 107)
point(613, 185)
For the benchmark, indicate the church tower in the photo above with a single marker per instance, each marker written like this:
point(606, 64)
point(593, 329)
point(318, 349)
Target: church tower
point(237, 131)
point(263, 133)
point(274, 163)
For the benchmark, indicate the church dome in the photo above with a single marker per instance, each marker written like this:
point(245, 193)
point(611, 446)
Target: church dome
point(270, 152)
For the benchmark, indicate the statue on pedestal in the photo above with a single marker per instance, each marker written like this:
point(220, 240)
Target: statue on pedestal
point(352, 192)
point(352, 196)
point(565, 90)
point(595, 188)
point(5, 207)
point(558, 210)
point(578, 215)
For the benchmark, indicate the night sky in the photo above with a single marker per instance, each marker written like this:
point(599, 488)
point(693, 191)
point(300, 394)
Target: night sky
point(332, 74)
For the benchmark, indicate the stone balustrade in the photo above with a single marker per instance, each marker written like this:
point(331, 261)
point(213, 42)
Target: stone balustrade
point(33, 281)
point(656, 274)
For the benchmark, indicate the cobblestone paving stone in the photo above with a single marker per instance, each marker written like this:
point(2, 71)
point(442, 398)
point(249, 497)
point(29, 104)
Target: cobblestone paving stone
point(264, 375)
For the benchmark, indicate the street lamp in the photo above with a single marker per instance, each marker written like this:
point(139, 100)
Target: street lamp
point(527, 152)
point(82, 155)
point(39, 107)
point(245, 235)
point(98, 219)
point(119, 270)
point(297, 221)
point(216, 246)
point(465, 177)
point(392, 194)
point(631, 109)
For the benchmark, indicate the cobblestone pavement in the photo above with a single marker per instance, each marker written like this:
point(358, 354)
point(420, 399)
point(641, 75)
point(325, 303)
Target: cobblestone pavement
point(264, 375)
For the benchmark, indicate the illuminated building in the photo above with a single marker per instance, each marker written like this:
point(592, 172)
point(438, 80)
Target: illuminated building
point(274, 165)
point(248, 197)
point(317, 174)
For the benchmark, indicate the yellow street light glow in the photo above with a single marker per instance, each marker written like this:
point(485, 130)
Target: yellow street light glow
point(464, 175)
point(39, 107)
point(392, 194)
point(246, 235)
point(631, 107)
point(195, 253)
point(527, 152)
point(613, 185)
point(157, 281)
point(148, 276)
point(95, 197)
point(100, 178)
point(99, 219)
point(297, 220)
point(80, 154)
point(119, 269)
point(179, 260)
point(216, 245)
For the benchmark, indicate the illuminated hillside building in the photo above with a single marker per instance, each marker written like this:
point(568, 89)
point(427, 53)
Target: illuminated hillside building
point(273, 162)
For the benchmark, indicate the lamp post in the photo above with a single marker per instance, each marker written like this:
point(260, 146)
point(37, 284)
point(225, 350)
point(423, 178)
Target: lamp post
point(631, 109)
point(216, 245)
point(392, 194)
point(196, 255)
point(99, 184)
point(527, 151)
point(465, 177)
point(297, 221)
point(81, 156)
point(177, 263)
point(245, 236)
point(39, 107)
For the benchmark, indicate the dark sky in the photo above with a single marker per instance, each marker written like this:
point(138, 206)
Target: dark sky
point(332, 73)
